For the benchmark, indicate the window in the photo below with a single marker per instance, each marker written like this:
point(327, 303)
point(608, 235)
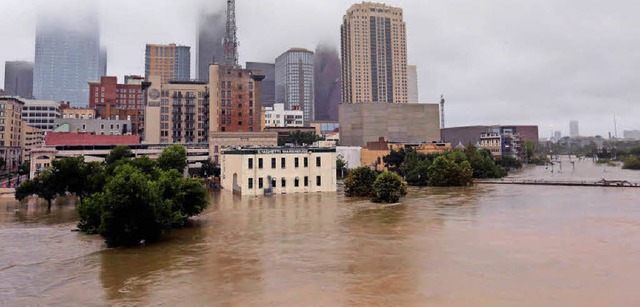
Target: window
point(260, 163)
point(260, 183)
point(250, 183)
point(306, 162)
point(273, 163)
point(273, 182)
point(250, 163)
point(318, 181)
point(296, 182)
point(296, 162)
point(283, 163)
point(306, 181)
point(283, 182)
point(318, 161)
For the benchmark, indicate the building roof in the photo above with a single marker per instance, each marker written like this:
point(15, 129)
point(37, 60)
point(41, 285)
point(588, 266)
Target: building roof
point(63, 139)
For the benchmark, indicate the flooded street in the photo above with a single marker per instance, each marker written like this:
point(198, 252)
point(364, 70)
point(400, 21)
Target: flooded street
point(487, 245)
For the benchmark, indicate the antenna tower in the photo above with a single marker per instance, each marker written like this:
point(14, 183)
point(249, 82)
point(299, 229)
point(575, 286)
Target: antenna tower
point(230, 37)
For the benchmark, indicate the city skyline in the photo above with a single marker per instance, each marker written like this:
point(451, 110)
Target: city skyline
point(545, 58)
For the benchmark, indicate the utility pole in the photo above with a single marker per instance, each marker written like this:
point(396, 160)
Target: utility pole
point(441, 111)
point(230, 37)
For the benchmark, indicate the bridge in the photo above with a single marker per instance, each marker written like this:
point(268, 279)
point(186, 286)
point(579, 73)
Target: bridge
point(576, 183)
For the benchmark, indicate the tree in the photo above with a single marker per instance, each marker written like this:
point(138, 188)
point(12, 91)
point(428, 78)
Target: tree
point(173, 157)
point(24, 168)
point(118, 153)
point(70, 176)
point(298, 138)
point(359, 183)
point(389, 188)
point(209, 169)
point(447, 172)
point(131, 209)
point(44, 186)
point(395, 159)
point(510, 163)
point(341, 167)
point(419, 174)
point(186, 197)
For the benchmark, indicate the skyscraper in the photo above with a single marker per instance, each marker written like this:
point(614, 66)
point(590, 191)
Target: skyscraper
point(211, 30)
point(294, 82)
point(412, 84)
point(103, 61)
point(67, 57)
point(327, 83)
point(18, 79)
point(268, 87)
point(171, 62)
point(574, 129)
point(374, 54)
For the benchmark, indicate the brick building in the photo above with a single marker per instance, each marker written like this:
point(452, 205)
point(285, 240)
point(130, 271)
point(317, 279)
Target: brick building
point(11, 126)
point(119, 101)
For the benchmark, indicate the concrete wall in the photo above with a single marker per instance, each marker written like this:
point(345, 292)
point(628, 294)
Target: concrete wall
point(407, 123)
point(351, 155)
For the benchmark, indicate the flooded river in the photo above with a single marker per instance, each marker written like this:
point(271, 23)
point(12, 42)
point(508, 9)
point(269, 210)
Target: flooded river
point(487, 245)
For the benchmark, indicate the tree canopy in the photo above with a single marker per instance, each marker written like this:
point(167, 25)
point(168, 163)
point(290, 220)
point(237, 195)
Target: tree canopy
point(173, 157)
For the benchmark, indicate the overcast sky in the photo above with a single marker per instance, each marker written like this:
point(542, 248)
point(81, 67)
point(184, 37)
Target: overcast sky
point(540, 62)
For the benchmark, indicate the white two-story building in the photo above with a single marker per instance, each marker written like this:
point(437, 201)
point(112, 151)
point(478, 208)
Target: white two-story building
point(282, 170)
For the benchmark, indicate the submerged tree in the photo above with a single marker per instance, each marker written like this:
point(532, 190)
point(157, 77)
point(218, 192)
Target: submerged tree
point(359, 183)
point(389, 188)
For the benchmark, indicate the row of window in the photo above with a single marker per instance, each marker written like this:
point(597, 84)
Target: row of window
point(283, 162)
point(283, 182)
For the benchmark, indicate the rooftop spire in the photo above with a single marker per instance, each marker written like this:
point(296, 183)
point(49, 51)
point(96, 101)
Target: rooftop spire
point(230, 38)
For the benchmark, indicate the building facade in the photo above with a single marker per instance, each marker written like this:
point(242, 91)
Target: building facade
point(574, 130)
point(412, 84)
point(67, 56)
point(471, 135)
point(237, 106)
point(18, 79)
point(177, 112)
point(11, 126)
point(374, 54)
point(93, 126)
point(31, 138)
point(112, 100)
point(503, 144)
point(209, 47)
point(219, 141)
point(361, 123)
point(41, 113)
point(295, 82)
point(373, 153)
point(79, 113)
point(278, 116)
point(268, 87)
point(171, 62)
point(263, 171)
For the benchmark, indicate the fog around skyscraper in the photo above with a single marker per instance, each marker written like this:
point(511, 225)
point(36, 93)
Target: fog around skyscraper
point(327, 82)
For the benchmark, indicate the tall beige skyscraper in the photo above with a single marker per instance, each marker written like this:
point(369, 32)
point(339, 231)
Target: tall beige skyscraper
point(412, 81)
point(374, 54)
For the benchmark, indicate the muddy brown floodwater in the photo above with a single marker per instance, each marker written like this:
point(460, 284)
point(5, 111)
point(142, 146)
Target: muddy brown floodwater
point(478, 246)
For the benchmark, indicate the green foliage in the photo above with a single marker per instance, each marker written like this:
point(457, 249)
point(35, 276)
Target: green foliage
point(299, 138)
point(389, 188)
point(26, 189)
point(395, 159)
point(419, 174)
point(132, 210)
point(173, 157)
point(359, 183)
point(446, 171)
point(209, 169)
point(119, 153)
point(341, 167)
point(70, 175)
point(138, 203)
point(45, 186)
point(24, 168)
point(632, 163)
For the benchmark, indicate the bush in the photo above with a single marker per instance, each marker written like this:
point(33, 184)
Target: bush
point(632, 163)
point(419, 175)
point(447, 172)
point(389, 188)
point(359, 183)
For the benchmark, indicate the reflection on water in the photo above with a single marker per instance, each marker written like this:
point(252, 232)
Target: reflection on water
point(483, 245)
